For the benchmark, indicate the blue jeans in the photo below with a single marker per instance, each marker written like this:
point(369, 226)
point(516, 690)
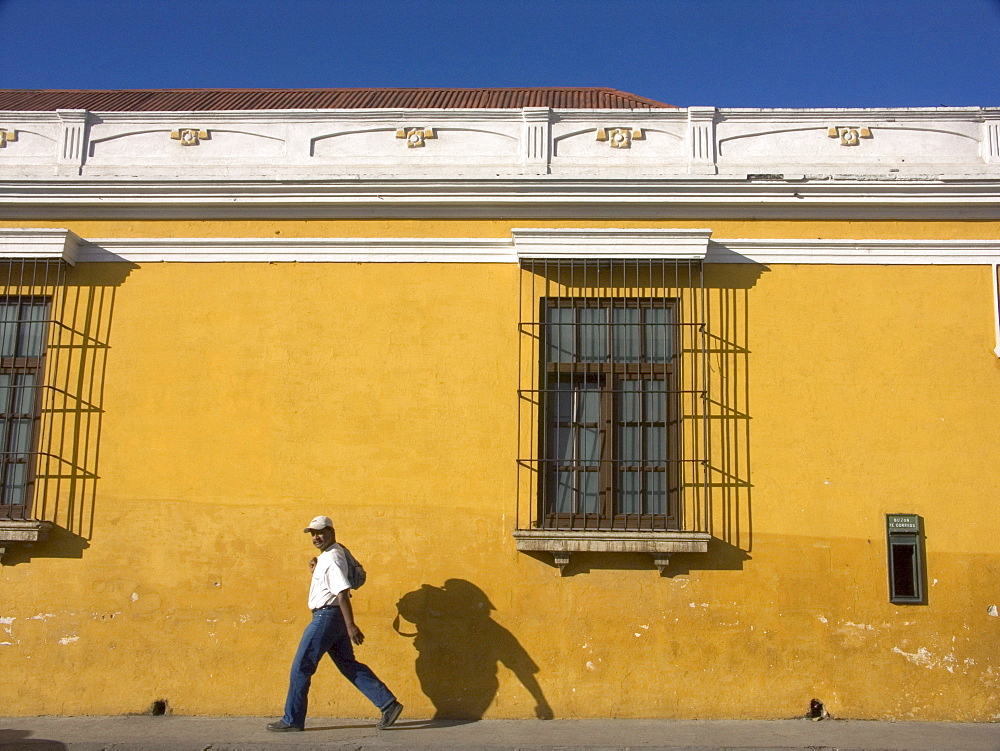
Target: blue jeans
point(327, 634)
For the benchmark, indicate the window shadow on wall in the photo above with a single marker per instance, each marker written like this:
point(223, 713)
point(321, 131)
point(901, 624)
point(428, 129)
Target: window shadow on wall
point(729, 501)
point(459, 648)
point(72, 411)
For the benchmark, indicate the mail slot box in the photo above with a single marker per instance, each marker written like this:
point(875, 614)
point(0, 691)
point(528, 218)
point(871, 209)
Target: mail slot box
point(905, 544)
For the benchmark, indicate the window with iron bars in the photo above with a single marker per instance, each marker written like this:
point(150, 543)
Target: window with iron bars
point(23, 332)
point(613, 433)
point(610, 443)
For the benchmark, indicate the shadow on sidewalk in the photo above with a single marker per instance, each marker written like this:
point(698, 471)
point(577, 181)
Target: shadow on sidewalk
point(459, 647)
point(366, 726)
point(402, 725)
point(16, 740)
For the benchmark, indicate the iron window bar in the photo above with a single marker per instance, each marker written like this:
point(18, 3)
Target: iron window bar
point(588, 333)
point(29, 346)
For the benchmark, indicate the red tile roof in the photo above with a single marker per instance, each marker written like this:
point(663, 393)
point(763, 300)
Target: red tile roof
point(180, 100)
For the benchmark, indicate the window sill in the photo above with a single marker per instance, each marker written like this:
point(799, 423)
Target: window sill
point(22, 532)
point(562, 543)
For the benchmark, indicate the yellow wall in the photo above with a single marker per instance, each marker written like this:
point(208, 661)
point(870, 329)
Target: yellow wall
point(235, 401)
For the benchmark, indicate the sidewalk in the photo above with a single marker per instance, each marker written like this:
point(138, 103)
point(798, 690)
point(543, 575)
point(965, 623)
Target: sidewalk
point(171, 733)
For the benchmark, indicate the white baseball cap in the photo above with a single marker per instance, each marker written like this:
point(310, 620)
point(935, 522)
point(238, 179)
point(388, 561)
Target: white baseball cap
point(318, 523)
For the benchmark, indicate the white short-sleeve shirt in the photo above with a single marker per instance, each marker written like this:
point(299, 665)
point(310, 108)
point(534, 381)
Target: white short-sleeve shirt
point(329, 578)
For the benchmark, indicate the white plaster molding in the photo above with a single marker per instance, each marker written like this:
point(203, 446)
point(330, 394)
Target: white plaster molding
point(991, 141)
point(73, 144)
point(526, 243)
point(21, 132)
point(702, 141)
point(536, 139)
point(855, 252)
point(611, 243)
point(913, 141)
point(312, 249)
point(767, 196)
point(996, 308)
point(28, 243)
point(871, 113)
point(620, 115)
point(320, 115)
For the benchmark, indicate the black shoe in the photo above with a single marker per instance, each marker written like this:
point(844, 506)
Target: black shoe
point(281, 727)
point(389, 715)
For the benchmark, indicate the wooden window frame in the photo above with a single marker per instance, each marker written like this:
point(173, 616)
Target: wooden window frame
point(609, 375)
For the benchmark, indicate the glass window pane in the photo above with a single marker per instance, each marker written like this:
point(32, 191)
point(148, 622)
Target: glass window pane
point(560, 335)
point(656, 492)
point(625, 334)
point(656, 401)
point(6, 392)
point(32, 329)
point(590, 502)
point(20, 440)
point(629, 493)
point(589, 402)
point(629, 395)
point(560, 449)
point(14, 484)
point(629, 448)
point(659, 334)
point(563, 495)
point(593, 334)
point(590, 447)
point(8, 327)
point(656, 445)
point(24, 394)
point(560, 402)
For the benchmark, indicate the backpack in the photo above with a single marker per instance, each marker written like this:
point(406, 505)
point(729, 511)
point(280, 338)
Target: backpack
point(356, 574)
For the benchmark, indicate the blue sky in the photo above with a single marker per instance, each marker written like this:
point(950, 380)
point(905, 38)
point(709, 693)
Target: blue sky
point(725, 53)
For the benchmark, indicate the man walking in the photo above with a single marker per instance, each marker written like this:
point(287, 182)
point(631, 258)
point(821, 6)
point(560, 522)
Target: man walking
point(331, 632)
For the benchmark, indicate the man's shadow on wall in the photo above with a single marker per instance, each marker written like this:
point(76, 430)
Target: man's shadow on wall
point(459, 646)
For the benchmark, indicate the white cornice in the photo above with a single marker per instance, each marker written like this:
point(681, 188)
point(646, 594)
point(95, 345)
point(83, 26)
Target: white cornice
point(43, 244)
point(761, 196)
point(875, 252)
point(542, 243)
point(315, 249)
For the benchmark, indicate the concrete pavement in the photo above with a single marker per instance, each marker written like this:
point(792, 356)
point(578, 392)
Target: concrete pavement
point(170, 733)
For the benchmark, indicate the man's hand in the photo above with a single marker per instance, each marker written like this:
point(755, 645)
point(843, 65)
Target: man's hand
point(355, 633)
point(344, 600)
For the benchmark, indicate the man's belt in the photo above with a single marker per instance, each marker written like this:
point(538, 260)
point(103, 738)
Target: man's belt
point(331, 606)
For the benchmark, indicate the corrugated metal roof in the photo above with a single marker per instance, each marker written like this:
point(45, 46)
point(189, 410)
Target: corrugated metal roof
point(177, 100)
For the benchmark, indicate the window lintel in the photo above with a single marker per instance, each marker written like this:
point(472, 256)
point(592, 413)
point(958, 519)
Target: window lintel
point(609, 244)
point(23, 243)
